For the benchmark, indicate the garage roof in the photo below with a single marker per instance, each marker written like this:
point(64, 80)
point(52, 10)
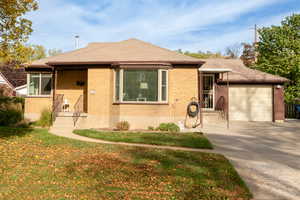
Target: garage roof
point(240, 73)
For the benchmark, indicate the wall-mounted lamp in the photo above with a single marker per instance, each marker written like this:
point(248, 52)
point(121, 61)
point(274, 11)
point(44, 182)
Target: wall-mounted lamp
point(278, 86)
point(80, 83)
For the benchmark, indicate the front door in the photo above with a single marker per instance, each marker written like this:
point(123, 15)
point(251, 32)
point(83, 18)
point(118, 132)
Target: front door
point(208, 91)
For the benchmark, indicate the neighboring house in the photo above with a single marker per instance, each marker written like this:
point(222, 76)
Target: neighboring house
point(21, 90)
point(6, 88)
point(145, 85)
point(14, 79)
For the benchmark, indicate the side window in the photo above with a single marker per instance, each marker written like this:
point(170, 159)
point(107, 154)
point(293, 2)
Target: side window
point(40, 84)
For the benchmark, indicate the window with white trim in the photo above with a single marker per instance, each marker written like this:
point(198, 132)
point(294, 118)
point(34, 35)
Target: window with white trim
point(40, 84)
point(141, 85)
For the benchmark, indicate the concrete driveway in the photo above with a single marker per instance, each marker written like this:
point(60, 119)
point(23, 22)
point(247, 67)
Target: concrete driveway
point(266, 155)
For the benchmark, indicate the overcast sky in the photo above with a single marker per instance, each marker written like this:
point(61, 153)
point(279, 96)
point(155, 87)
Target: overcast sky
point(175, 24)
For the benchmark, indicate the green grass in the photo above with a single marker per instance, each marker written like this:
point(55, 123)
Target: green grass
point(192, 140)
point(37, 165)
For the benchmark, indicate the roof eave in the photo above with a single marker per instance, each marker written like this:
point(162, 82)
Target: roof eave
point(55, 63)
point(254, 81)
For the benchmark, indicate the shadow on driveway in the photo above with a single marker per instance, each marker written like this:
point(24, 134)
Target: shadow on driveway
point(266, 155)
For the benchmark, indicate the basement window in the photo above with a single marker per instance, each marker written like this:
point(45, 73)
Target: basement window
point(141, 85)
point(40, 84)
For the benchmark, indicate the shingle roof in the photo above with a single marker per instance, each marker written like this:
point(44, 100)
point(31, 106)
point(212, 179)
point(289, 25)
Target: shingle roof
point(15, 76)
point(131, 50)
point(241, 73)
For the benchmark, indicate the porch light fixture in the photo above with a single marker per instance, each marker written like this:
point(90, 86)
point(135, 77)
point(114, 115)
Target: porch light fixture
point(80, 83)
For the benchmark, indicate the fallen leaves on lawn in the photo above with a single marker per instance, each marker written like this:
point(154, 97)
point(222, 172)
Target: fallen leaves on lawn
point(29, 169)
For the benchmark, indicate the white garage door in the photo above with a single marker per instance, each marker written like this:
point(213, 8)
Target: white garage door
point(250, 103)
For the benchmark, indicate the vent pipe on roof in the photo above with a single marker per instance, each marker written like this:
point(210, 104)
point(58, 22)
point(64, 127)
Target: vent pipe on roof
point(76, 41)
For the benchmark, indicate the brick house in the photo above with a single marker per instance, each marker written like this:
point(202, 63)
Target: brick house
point(144, 84)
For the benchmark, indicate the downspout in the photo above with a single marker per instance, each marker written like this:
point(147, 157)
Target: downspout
point(200, 89)
point(54, 83)
point(273, 103)
point(227, 101)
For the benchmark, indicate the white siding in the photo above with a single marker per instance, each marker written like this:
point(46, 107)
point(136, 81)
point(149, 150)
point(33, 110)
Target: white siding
point(2, 81)
point(21, 90)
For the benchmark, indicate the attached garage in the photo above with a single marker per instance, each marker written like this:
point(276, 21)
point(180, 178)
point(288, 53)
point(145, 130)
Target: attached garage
point(250, 95)
point(251, 102)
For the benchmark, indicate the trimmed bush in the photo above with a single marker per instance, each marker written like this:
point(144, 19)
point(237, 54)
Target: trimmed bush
point(151, 128)
point(7, 100)
point(170, 127)
point(45, 118)
point(11, 110)
point(123, 126)
point(10, 117)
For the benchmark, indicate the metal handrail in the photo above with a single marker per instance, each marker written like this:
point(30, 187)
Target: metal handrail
point(58, 101)
point(221, 106)
point(78, 109)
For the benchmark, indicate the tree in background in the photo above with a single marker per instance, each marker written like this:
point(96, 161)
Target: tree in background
point(279, 53)
point(54, 52)
point(249, 55)
point(15, 29)
point(233, 51)
point(201, 55)
point(37, 52)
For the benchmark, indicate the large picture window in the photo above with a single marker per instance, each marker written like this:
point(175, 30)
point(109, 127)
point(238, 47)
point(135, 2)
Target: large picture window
point(39, 84)
point(132, 85)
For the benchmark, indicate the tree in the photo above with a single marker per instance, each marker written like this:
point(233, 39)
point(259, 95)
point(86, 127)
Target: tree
point(179, 51)
point(233, 51)
point(54, 52)
point(201, 55)
point(37, 52)
point(279, 53)
point(15, 29)
point(249, 55)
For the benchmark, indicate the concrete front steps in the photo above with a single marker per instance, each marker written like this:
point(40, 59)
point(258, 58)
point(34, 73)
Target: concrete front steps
point(65, 122)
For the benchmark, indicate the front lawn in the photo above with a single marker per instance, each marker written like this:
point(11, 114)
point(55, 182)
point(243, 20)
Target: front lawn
point(192, 140)
point(37, 165)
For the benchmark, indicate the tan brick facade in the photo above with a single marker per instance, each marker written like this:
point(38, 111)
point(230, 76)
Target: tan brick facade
point(35, 105)
point(67, 85)
point(102, 112)
point(99, 92)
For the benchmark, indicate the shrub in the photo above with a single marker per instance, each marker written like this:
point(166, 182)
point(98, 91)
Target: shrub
point(45, 118)
point(123, 126)
point(7, 101)
point(10, 117)
point(171, 127)
point(151, 128)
